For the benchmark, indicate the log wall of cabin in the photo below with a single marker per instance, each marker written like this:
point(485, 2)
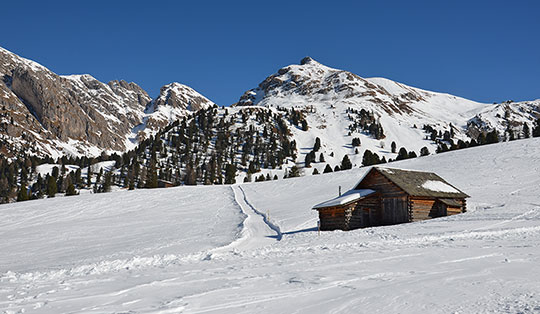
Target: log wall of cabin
point(423, 209)
point(366, 213)
point(453, 210)
point(426, 208)
point(335, 218)
point(395, 205)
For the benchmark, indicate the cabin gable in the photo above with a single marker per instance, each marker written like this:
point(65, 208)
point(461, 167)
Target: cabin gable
point(394, 201)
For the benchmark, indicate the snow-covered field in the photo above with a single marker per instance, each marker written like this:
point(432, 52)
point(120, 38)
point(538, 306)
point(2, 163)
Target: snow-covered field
point(254, 248)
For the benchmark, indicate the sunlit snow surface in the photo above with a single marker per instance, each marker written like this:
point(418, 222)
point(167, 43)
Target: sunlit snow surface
point(186, 250)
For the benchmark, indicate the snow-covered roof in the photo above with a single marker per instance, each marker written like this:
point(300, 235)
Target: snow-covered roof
point(439, 186)
point(346, 198)
point(418, 183)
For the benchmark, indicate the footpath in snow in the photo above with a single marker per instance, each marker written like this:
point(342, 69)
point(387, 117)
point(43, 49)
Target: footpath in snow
point(257, 230)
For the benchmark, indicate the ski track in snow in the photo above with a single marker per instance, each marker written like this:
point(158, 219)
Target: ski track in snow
point(237, 259)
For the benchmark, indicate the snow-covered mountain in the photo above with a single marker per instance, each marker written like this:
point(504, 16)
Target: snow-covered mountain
point(339, 106)
point(43, 113)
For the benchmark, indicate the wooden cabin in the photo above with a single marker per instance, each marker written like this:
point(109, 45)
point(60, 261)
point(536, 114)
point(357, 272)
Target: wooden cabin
point(386, 196)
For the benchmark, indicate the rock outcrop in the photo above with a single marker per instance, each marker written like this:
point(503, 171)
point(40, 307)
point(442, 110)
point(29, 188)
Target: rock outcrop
point(174, 101)
point(47, 114)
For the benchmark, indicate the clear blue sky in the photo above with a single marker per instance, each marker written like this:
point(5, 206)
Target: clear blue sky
point(482, 50)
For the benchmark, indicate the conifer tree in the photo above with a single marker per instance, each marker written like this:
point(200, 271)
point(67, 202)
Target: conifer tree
point(402, 154)
point(346, 163)
point(536, 130)
point(307, 161)
point(294, 172)
point(481, 139)
point(71, 190)
point(230, 174)
point(317, 145)
point(55, 172)
point(190, 177)
point(88, 176)
point(370, 158)
point(107, 182)
point(51, 186)
point(78, 176)
point(22, 195)
point(60, 184)
point(151, 178)
point(424, 151)
point(304, 125)
point(492, 137)
point(327, 169)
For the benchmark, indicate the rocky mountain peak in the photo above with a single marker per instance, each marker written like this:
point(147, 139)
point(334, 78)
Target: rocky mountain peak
point(307, 60)
point(179, 96)
point(175, 101)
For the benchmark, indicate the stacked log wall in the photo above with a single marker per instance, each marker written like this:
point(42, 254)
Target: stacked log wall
point(371, 205)
point(422, 209)
point(335, 218)
point(454, 210)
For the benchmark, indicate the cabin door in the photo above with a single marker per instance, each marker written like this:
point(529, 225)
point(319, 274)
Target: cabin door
point(366, 217)
point(395, 210)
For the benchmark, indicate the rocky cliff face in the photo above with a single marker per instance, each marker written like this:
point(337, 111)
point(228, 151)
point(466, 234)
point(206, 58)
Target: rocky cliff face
point(50, 114)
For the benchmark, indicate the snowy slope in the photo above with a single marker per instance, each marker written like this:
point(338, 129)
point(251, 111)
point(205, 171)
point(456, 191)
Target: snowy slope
point(108, 233)
point(182, 250)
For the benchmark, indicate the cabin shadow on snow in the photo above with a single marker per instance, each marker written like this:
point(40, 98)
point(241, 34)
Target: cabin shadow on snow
point(277, 237)
point(387, 196)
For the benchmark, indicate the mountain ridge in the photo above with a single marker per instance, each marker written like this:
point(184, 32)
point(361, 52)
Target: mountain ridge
point(52, 115)
point(49, 114)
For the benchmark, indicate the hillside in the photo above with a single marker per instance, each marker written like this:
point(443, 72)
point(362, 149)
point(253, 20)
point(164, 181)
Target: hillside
point(185, 249)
